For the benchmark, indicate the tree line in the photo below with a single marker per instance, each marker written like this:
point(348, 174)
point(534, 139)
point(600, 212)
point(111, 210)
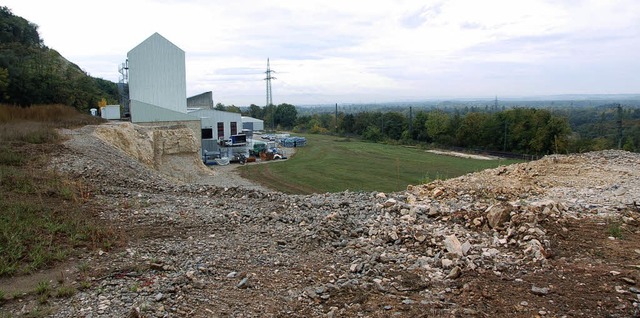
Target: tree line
point(522, 130)
point(31, 73)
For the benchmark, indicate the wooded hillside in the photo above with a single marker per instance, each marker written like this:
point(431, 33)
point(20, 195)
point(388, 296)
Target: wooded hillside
point(31, 73)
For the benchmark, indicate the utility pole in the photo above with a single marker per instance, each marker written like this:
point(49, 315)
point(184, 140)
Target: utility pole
point(269, 95)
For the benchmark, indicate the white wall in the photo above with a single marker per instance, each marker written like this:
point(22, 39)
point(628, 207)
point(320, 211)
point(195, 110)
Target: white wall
point(258, 124)
point(110, 112)
point(211, 117)
point(157, 76)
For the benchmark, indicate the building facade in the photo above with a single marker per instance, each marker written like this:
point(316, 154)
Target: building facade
point(157, 77)
point(157, 84)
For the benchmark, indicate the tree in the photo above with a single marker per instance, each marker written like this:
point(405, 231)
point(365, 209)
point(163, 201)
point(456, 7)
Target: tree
point(35, 74)
point(419, 127)
point(220, 106)
point(393, 124)
point(372, 133)
point(470, 132)
point(348, 124)
point(4, 84)
point(628, 145)
point(268, 117)
point(285, 115)
point(256, 112)
point(437, 125)
point(233, 109)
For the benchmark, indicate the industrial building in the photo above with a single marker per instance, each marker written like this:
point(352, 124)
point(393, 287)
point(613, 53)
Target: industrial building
point(252, 124)
point(216, 127)
point(157, 96)
point(157, 84)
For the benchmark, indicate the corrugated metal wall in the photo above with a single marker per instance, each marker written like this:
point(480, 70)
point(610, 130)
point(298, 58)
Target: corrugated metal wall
point(157, 76)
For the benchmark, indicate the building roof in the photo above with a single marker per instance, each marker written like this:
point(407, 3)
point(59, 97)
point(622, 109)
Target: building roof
point(154, 38)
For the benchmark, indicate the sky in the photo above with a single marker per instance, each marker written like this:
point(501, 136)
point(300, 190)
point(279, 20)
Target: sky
point(360, 51)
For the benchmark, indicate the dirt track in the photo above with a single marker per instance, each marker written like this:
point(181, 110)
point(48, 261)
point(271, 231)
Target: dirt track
point(558, 237)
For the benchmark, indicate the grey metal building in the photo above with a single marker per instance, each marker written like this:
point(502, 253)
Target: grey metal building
point(157, 84)
point(252, 124)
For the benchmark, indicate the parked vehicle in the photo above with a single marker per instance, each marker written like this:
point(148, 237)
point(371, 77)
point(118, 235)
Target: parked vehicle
point(239, 158)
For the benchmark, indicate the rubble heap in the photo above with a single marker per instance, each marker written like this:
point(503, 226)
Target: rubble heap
point(531, 239)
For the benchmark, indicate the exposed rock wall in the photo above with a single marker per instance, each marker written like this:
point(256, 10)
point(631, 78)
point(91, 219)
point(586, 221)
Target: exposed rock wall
point(172, 150)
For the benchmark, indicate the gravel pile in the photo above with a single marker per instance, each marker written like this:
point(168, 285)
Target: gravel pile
point(220, 246)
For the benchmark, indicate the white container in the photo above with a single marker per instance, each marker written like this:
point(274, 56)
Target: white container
point(110, 112)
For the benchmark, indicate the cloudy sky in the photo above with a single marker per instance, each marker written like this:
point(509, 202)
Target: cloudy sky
point(355, 51)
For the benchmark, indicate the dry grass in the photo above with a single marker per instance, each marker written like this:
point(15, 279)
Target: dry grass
point(43, 215)
point(37, 124)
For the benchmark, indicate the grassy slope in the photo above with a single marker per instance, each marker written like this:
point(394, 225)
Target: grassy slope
point(43, 216)
point(333, 164)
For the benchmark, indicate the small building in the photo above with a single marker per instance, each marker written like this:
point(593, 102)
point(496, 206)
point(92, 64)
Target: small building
point(216, 127)
point(110, 112)
point(252, 124)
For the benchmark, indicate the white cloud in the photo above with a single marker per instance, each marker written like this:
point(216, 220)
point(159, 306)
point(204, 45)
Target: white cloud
point(358, 49)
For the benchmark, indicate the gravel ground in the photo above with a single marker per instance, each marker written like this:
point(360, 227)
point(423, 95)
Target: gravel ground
point(524, 240)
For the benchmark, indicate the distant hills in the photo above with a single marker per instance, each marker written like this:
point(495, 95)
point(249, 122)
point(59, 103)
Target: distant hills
point(31, 73)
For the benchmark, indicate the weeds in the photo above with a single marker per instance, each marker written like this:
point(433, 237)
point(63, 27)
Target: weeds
point(614, 229)
point(39, 312)
point(10, 158)
point(43, 288)
point(427, 178)
point(65, 291)
point(59, 115)
point(83, 268)
point(37, 124)
point(41, 219)
point(85, 284)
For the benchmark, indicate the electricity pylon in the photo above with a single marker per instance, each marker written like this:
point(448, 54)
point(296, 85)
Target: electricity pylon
point(269, 95)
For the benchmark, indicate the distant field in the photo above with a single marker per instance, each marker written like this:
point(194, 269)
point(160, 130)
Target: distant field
point(334, 164)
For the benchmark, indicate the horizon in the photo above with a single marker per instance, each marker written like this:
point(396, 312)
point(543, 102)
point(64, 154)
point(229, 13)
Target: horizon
point(326, 52)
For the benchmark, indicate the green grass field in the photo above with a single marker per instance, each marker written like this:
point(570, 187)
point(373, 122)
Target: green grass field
point(334, 164)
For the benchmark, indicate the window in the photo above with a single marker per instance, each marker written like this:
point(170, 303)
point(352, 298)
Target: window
point(234, 128)
point(220, 130)
point(207, 133)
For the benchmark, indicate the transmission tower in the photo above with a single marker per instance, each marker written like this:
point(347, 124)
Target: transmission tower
point(268, 79)
point(269, 95)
